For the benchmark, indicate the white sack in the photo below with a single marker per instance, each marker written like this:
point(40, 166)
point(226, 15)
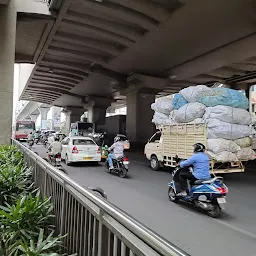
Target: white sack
point(197, 121)
point(159, 118)
point(219, 145)
point(162, 119)
point(244, 142)
point(218, 129)
point(224, 156)
point(193, 93)
point(188, 112)
point(246, 154)
point(163, 105)
point(229, 115)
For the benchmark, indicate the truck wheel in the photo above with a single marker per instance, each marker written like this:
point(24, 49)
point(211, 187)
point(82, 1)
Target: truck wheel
point(154, 163)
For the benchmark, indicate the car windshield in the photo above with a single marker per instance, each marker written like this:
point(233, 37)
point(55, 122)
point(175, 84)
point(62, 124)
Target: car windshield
point(83, 142)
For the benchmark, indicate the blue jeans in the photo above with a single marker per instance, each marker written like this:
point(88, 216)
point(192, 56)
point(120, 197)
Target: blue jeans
point(110, 159)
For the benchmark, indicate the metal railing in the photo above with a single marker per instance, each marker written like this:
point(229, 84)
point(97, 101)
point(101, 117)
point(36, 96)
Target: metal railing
point(94, 226)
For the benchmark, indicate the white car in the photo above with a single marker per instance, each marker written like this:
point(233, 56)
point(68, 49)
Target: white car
point(80, 149)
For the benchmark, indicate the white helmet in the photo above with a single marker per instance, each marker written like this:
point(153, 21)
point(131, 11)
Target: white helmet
point(116, 139)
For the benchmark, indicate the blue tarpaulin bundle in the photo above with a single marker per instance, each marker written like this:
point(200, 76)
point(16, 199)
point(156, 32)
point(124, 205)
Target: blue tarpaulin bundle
point(178, 101)
point(225, 97)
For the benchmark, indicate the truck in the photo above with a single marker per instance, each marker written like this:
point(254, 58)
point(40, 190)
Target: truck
point(114, 125)
point(84, 128)
point(178, 140)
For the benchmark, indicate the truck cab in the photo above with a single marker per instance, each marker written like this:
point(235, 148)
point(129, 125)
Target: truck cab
point(154, 151)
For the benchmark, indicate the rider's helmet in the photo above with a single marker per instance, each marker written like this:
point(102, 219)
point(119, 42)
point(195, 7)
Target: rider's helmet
point(199, 147)
point(116, 139)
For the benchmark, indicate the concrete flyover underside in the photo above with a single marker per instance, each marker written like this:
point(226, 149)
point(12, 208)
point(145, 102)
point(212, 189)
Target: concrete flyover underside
point(94, 46)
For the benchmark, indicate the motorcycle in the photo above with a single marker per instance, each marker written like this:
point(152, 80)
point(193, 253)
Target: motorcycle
point(55, 160)
point(121, 166)
point(209, 195)
point(30, 144)
point(36, 140)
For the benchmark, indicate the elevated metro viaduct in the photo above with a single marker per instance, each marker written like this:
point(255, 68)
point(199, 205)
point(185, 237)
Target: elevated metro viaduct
point(92, 54)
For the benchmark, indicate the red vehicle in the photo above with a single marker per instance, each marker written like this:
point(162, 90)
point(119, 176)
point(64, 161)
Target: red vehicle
point(22, 129)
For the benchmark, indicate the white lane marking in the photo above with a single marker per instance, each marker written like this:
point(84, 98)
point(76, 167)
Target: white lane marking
point(244, 232)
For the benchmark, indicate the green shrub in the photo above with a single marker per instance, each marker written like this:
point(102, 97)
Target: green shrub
point(15, 181)
point(26, 218)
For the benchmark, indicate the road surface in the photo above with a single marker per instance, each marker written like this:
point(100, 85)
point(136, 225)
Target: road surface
point(144, 196)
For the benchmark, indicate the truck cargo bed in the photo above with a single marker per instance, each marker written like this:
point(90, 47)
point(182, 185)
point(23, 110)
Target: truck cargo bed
point(179, 140)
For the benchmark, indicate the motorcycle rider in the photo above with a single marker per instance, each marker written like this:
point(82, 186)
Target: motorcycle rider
point(201, 167)
point(118, 151)
point(54, 148)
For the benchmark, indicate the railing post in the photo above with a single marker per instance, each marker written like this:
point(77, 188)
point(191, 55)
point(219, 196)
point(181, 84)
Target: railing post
point(45, 181)
point(102, 236)
point(62, 214)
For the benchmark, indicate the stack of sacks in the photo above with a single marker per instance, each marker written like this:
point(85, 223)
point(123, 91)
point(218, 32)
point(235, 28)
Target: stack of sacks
point(224, 110)
point(228, 122)
point(162, 108)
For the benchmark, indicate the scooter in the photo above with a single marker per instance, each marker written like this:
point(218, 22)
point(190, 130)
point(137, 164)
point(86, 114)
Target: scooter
point(209, 195)
point(121, 166)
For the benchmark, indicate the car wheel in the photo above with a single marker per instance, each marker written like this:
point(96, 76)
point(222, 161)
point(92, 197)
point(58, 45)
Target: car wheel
point(67, 161)
point(154, 163)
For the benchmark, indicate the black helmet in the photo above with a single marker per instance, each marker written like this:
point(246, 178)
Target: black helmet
point(199, 147)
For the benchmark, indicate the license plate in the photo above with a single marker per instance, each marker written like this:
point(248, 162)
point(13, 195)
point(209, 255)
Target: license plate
point(87, 158)
point(58, 159)
point(221, 200)
point(126, 162)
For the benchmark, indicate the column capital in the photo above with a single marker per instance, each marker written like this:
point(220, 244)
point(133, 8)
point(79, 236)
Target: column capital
point(145, 84)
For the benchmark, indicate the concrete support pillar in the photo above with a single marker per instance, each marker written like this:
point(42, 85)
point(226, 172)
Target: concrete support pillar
point(33, 117)
point(56, 118)
point(96, 109)
point(139, 126)
point(8, 18)
point(44, 112)
point(72, 115)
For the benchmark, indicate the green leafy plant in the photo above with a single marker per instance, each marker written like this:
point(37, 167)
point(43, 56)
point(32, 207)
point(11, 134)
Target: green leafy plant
point(44, 246)
point(25, 219)
point(10, 155)
point(15, 181)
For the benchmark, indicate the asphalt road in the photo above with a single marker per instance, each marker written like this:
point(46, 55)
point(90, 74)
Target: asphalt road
point(144, 196)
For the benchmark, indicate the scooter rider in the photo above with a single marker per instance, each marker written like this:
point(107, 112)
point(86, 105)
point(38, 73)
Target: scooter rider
point(55, 147)
point(30, 137)
point(36, 135)
point(201, 167)
point(118, 151)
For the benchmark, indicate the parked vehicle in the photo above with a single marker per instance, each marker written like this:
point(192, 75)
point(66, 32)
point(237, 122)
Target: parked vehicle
point(121, 166)
point(80, 149)
point(209, 195)
point(173, 140)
